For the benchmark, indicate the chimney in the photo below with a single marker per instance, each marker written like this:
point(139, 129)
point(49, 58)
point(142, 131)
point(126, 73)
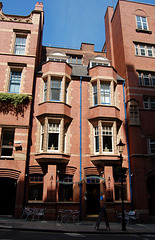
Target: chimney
point(1, 5)
point(39, 6)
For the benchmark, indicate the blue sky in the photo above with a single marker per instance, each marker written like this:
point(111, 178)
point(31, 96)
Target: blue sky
point(68, 22)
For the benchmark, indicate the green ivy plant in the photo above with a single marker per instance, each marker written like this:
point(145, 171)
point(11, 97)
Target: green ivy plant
point(12, 102)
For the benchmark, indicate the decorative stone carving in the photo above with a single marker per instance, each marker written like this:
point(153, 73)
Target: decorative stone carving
point(13, 18)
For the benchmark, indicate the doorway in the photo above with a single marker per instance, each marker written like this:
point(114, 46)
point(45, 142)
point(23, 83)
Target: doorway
point(7, 195)
point(151, 191)
point(93, 199)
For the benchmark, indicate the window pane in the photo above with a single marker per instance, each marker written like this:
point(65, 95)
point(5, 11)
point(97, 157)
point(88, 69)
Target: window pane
point(45, 90)
point(20, 45)
point(15, 80)
point(107, 138)
point(146, 79)
point(53, 140)
point(105, 93)
point(66, 190)
point(7, 143)
point(142, 50)
point(95, 94)
point(55, 89)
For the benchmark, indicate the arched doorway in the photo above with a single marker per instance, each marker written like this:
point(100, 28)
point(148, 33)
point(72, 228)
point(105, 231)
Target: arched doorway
point(7, 195)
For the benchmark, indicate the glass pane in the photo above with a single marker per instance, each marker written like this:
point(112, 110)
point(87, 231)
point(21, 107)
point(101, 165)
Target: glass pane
point(55, 94)
point(8, 138)
point(97, 144)
point(107, 143)
point(6, 151)
point(15, 80)
point(53, 139)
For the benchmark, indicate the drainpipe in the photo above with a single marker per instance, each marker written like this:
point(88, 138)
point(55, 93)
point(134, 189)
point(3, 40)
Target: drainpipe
point(80, 148)
point(127, 139)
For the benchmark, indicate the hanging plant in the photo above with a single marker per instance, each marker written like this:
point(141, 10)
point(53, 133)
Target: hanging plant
point(12, 102)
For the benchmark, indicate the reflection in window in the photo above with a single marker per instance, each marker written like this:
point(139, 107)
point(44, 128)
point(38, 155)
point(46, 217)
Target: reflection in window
point(20, 45)
point(66, 188)
point(141, 22)
point(35, 187)
point(15, 79)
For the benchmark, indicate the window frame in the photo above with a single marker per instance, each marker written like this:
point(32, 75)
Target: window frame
point(105, 93)
point(65, 189)
point(142, 76)
point(140, 23)
point(95, 94)
point(105, 126)
point(96, 139)
point(20, 45)
point(150, 150)
point(8, 146)
point(34, 183)
point(15, 80)
point(58, 88)
point(52, 148)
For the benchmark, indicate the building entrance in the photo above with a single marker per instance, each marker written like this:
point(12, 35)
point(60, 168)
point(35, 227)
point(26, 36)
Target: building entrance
point(8, 196)
point(151, 191)
point(93, 199)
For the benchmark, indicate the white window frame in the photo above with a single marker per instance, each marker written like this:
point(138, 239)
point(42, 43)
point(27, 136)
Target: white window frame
point(58, 88)
point(96, 135)
point(153, 143)
point(141, 24)
point(15, 81)
point(55, 128)
point(105, 93)
point(42, 138)
point(20, 45)
point(109, 132)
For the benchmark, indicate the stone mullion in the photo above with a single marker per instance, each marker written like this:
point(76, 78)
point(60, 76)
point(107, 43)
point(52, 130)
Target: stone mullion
point(45, 142)
point(114, 137)
point(48, 88)
point(61, 142)
point(100, 136)
point(63, 84)
point(98, 92)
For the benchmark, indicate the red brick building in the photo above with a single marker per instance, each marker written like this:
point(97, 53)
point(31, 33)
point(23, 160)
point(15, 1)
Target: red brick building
point(130, 44)
point(21, 38)
point(63, 111)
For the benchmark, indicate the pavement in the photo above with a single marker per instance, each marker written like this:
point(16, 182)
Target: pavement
point(78, 227)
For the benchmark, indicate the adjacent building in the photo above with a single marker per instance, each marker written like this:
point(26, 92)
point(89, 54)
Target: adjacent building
point(130, 44)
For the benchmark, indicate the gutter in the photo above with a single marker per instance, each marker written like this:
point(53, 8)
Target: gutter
point(127, 139)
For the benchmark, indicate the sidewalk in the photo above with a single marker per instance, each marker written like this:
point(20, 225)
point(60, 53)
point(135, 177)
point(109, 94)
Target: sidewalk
point(80, 227)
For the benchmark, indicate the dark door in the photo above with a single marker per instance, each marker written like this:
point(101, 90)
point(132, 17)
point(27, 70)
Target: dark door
point(151, 190)
point(7, 196)
point(93, 198)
